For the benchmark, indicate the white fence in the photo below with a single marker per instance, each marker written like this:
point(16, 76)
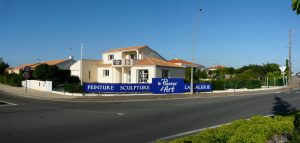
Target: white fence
point(38, 85)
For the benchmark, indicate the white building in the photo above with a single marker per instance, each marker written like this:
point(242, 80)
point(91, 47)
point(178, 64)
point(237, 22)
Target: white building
point(137, 64)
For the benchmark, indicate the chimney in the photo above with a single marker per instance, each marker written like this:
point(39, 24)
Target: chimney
point(70, 57)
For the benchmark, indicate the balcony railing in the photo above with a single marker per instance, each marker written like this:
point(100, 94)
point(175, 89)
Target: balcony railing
point(123, 62)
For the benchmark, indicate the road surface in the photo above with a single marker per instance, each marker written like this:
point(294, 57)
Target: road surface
point(36, 121)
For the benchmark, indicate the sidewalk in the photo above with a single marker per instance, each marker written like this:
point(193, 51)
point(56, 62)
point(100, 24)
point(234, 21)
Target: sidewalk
point(20, 91)
point(60, 96)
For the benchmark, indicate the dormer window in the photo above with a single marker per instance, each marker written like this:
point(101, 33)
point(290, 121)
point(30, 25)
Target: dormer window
point(110, 57)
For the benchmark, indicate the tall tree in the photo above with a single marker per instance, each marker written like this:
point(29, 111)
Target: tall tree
point(296, 6)
point(198, 74)
point(259, 70)
point(45, 72)
point(3, 66)
point(271, 67)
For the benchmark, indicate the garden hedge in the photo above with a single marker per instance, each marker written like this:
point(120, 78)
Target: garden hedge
point(258, 129)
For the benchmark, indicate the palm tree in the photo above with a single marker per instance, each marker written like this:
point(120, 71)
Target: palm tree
point(296, 6)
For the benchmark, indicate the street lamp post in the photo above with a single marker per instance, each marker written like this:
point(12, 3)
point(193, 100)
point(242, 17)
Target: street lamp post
point(193, 50)
point(81, 64)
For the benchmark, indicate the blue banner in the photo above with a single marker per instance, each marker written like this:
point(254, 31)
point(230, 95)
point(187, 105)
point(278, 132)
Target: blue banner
point(111, 87)
point(198, 87)
point(167, 85)
point(158, 86)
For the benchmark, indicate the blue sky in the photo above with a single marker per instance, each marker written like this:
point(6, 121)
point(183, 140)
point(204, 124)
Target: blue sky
point(231, 33)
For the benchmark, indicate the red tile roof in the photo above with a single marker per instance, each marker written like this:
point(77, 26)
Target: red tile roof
point(156, 62)
point(183, 62)
point(176, 60)
point(215, 67)
point(53, 62)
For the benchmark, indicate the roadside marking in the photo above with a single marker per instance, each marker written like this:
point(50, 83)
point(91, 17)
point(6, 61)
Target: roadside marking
point(3, 103)
point(195, 131)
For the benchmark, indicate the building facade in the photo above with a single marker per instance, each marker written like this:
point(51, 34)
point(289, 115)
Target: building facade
point(138, 64)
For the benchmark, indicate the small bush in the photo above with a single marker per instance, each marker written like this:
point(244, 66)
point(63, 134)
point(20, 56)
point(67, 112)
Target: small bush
point(251, 84)
point(72, 79)
point(256, 130)
point(218, 84)
point(73, 88)
point(11, 79)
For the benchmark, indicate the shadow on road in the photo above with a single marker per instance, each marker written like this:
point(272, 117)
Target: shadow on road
point(282, 107)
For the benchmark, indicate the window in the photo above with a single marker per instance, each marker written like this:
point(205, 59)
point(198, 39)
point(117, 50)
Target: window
point(165, 74)
point(89, 74)
point(110, 57)
point(143, 76)
point(105, 72)
point(132, 56)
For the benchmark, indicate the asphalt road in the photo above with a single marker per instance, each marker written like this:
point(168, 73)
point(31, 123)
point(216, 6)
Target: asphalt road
point(37, 121)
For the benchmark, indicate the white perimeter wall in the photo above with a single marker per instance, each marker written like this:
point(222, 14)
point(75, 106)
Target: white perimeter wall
point(38, 85)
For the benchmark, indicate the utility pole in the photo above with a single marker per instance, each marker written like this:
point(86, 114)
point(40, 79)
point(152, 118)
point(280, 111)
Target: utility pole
point(81, 78)
point(290, 55)
point(193, 51)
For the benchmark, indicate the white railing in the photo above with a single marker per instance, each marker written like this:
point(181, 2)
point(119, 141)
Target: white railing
point(123, 62)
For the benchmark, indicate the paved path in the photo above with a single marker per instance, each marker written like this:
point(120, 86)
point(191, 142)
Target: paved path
point(35, 121)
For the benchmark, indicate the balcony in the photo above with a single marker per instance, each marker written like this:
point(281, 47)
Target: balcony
point(123, 62)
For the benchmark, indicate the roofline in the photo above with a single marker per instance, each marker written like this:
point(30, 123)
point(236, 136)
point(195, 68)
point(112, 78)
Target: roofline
point(156, 53)
point(170, 66)
point(89, 60)
point(116, 49)
point(156, 66)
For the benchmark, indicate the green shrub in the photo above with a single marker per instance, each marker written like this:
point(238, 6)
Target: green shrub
point(251, 84)
point(235, 83)
point(218, 84)
point(72, 79)
point(256, 130)
point(11, 79)
point(74, 88)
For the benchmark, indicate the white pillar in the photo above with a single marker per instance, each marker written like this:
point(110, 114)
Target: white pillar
point(122, 75)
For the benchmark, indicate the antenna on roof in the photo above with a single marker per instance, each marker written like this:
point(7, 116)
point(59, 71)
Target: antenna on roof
point(38, 60)
point(70, 48)
point(175, 57)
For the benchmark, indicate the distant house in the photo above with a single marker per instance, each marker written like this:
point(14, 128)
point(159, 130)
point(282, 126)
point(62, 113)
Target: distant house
point(216, 67)
point(63, 64)
point(137, 64)
point(184, 63)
